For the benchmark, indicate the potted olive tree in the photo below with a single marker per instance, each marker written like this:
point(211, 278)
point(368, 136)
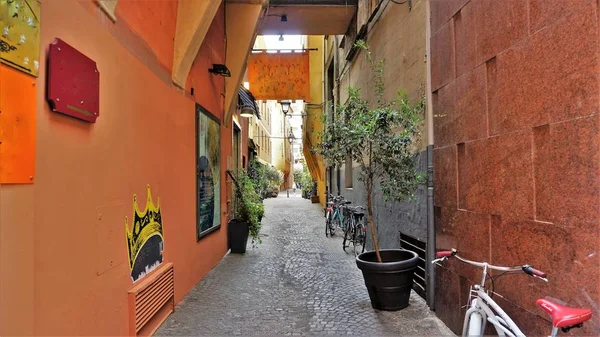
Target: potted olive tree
point(249, 211)
point(380, 137)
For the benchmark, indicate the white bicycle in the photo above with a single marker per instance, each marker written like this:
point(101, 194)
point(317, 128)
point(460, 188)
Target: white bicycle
point(483, 309)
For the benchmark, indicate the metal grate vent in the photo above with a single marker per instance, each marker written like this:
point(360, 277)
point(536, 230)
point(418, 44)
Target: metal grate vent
point(419, 247)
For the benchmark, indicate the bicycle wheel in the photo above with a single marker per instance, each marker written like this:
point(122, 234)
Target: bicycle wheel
point(348, 234)
point(340, 220)
point(333, 218)
point(359, 239)
point(331, 227)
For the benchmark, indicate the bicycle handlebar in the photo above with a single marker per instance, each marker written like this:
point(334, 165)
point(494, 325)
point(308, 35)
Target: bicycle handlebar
point(533, 272)
point(527, 269)
point(445, 253)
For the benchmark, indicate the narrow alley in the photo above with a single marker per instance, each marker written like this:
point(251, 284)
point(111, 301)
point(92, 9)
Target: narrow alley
point(297, 282)
point(143, 141)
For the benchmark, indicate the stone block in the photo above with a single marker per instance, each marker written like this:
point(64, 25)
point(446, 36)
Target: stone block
point(466, 39)
point(568, 257)
point(443, 10)
point(567, 172)
point(499, 25)
point(444, 115)
point(495, 175)
point(442, 56)
point(545, 12)
point(471, 109)
point(447, 299)
point(551, 77)
point(453, 227)
point(444, 176)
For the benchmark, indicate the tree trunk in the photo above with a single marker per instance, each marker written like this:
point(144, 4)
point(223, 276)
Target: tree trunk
point(371, 223)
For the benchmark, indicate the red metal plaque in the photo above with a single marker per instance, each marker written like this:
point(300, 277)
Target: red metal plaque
point(73, 82)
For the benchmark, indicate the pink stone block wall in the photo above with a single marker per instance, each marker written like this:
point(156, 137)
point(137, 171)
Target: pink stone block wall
point(517, 152)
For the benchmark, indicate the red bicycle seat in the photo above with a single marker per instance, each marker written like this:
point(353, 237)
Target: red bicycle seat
point(564, 316)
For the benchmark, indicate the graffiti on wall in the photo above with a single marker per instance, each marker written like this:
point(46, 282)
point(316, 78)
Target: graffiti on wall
point(144, 238)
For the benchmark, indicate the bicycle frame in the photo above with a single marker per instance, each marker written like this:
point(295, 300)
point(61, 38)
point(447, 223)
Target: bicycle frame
point(337, 215)
point(482, 307)
point(491, 312)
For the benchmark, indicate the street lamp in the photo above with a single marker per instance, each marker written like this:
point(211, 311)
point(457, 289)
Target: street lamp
point(285, 106)
point(291, 137)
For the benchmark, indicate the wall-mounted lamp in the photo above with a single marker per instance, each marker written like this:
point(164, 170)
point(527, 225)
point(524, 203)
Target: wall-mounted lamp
point(247, 103)
point(220, 69)
point(247, 111)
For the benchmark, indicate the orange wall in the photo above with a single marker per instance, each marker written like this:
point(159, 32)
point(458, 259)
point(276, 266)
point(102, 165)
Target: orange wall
point(209, 89)
point(62, 243)
point(154, 22)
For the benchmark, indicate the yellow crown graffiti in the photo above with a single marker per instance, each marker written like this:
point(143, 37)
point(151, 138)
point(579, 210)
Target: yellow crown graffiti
point(146, 224)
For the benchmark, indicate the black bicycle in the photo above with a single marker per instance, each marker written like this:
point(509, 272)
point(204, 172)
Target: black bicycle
point(356, 231)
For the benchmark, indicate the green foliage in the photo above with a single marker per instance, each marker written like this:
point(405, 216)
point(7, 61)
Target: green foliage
point(249, 207)
point(305, 181)
point(274, 176)
point(298, 173)
point(264, 177)
point(378, 136)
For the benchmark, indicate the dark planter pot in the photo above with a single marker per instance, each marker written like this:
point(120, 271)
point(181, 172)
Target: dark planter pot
point(389, 283)
point(238, 236)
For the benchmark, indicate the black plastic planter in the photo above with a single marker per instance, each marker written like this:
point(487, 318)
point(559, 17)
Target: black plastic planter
point(389, 283)
point(238, 236)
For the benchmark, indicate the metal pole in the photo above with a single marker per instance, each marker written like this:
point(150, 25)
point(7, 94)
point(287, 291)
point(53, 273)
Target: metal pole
point(430, 232)
point(431, 244)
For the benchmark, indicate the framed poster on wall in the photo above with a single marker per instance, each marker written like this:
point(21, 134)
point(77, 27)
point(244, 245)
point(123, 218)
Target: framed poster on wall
point(208, 173)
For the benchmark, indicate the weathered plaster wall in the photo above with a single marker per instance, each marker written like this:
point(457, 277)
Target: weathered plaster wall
point(391, 218)
point(398, 38)
point(517, 173)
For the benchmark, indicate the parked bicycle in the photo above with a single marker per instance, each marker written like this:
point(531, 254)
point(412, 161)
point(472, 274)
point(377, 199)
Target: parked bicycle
point(483, 309)
point(334, 215)
point(355, 231)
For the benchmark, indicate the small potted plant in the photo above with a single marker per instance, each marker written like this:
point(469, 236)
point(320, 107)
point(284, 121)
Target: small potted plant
point(379, 136)
point(248, 213)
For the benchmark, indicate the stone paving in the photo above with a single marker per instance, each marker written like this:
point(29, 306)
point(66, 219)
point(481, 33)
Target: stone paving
point(297, 282)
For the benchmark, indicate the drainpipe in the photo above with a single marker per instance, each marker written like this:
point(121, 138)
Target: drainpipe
point(430, 215)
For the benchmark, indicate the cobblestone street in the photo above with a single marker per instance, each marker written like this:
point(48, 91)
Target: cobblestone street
point(297, 282)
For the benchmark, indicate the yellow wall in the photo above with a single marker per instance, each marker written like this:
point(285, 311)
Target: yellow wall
point(277, 120)
point(261, 132)
point(313, 124)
